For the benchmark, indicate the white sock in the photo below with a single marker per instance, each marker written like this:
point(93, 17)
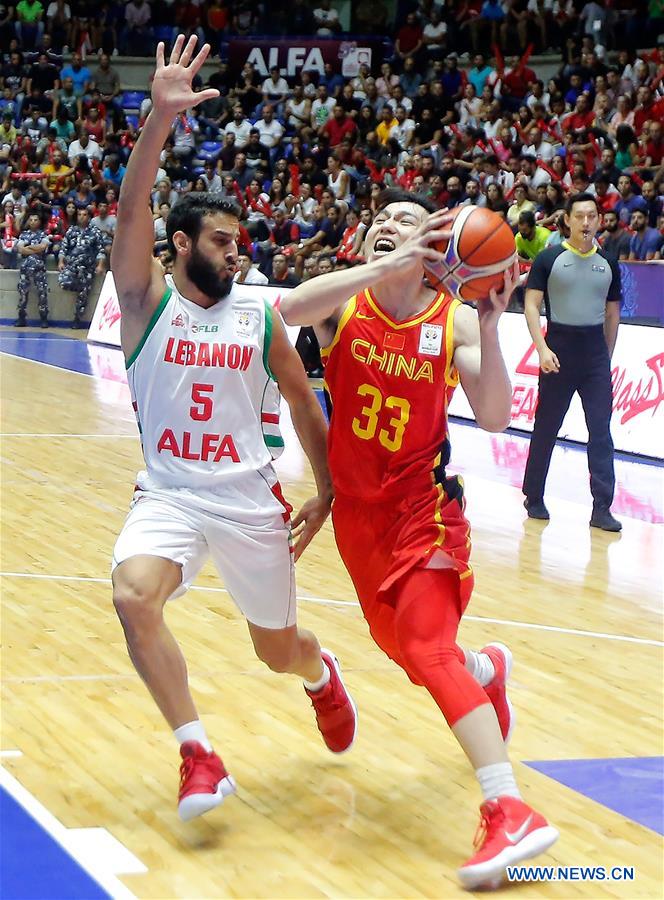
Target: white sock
point(314, 686)
point(193, 731)
point(480, 667)
point(497, 780)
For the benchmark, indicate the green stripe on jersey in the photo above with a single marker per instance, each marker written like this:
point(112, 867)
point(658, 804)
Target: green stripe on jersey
point(273, 441)
point(267, 339)
point(153, 321)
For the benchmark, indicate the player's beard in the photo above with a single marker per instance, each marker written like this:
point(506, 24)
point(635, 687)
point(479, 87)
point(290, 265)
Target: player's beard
point(203, 274)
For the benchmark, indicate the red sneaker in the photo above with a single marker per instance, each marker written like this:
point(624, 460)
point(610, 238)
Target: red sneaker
point(336, 714)
point(496, 690)
point(204, 782)
point(509, 832)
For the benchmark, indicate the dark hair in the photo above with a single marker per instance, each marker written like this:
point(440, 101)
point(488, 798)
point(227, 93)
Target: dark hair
point(188, 213)
point(527, 217)
point(625, 137)
point(27, 215)
point(580, 198)
point(396, 195)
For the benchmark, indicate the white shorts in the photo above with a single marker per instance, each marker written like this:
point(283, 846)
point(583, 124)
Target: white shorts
point(246, 532)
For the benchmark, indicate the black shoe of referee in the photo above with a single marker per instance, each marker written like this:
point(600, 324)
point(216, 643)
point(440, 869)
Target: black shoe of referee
point(536, 509)
point(602, 518)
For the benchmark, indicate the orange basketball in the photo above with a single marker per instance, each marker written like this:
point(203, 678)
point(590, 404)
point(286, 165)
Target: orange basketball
point(480, 250)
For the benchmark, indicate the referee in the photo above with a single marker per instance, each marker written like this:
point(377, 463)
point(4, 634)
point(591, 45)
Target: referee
point(581, 291)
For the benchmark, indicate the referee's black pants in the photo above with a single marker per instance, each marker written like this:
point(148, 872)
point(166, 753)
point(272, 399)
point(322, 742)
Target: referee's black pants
point(584, 367)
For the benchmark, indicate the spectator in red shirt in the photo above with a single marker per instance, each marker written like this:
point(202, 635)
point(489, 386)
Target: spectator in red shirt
point(339, 127)
point(218, 17)
point(645, 109)
point(518, 79)
point(351, 240)
point(409, 38)
point(654, 145)
point(283, 239)
point(582, 117)
point(606, 198)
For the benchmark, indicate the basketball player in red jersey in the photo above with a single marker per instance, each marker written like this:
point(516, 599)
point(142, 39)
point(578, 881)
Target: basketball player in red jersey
point(204, 358)
point(394, 352)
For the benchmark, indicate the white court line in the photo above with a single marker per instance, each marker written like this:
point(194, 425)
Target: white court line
point(61, 835)
point(10, 754)
point(326, 601)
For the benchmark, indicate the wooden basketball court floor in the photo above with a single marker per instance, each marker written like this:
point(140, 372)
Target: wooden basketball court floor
point(580, 609)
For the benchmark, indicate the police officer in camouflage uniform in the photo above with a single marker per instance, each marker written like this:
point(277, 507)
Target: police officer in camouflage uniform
point(82, 257)
point(32, 246)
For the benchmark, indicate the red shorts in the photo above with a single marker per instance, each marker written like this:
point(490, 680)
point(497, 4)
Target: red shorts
point(381, 543)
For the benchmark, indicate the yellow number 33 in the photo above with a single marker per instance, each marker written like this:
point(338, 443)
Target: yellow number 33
point(391, 437)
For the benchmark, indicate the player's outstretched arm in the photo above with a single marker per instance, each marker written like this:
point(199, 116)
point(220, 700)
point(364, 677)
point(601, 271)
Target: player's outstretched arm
point(321, 299)
point(310, 428)
point(479, 359)
point(138, 278)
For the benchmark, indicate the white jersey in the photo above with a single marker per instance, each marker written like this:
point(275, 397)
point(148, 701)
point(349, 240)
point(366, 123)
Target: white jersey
point(206, 402)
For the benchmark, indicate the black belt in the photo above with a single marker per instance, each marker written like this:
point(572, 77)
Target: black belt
point(557, 327)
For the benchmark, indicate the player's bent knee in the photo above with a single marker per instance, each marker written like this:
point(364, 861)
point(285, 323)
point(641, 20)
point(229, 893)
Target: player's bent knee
point(278, 659)
point(139, 594)
point(137, 608)
point(278, 648)
point(423, 656)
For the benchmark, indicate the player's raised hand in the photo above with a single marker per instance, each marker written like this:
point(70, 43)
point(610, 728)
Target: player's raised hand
point(308, 522)
point(171, 87)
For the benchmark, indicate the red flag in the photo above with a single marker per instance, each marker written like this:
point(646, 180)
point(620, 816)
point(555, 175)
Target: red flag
point(393, 341)
point(500, 62)
point(524, 59)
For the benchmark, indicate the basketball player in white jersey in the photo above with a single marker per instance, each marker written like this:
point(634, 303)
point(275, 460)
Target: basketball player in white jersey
point(206, 361)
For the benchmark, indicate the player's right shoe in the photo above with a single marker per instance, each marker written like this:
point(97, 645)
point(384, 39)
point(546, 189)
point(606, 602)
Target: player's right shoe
point(509, 832)
point(496, 690)
point(204, 781)
point(336, 715)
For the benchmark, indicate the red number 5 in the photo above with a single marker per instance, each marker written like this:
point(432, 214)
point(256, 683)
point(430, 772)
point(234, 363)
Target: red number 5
point(202, 412)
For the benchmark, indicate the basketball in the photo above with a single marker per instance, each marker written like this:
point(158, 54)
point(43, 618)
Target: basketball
point(480, 250)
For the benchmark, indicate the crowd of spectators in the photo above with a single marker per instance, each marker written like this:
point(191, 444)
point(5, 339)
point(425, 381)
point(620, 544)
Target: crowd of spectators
point(306, 157)
point(420, 28)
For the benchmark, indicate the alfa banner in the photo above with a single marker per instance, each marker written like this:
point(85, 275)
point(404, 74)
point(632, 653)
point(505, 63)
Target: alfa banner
point(294, 55)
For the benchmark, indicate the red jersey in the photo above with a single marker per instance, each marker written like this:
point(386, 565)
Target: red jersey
point(390, 384)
